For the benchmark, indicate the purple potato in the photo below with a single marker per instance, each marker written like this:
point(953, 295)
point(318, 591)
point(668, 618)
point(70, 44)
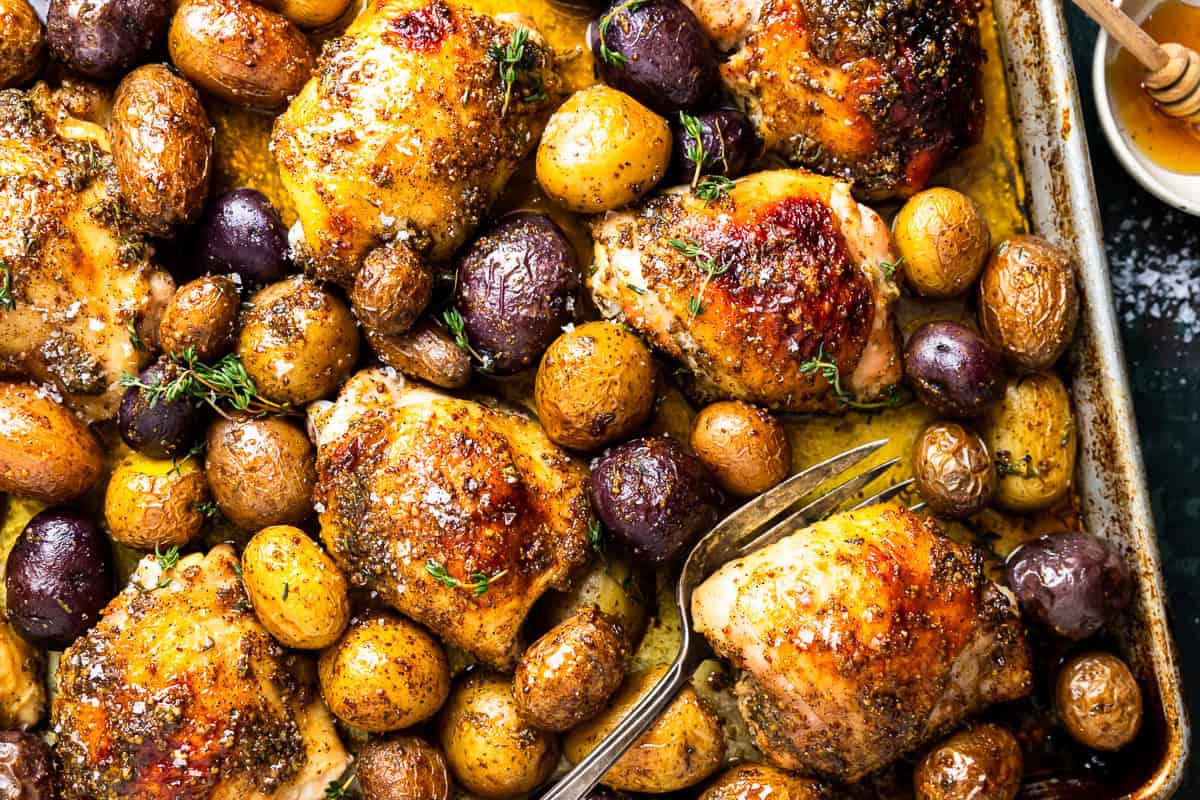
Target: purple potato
point(953, 370)
point(1070, 582)
point(26, 768)
point(104, 39)
point(516, 290)
point(654, 497)
point(728, 141)
point(159, 428)
point(241, 232)
point(657, 52)
point(60, 576)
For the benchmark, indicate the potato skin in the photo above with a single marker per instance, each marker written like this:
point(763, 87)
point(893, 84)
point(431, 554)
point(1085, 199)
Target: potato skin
point(240, 52)
point(1099, 702)
point(162, 147)
point(953, 469)
point(153, 503)
point(567, 675)
point(202, 314)
point(385, 673)
point(46, 453)
point(944, 240)
point(492, 752)
point(402, 768)
point(391, 289)
point(681, 749)
point(22, 693)
point(310, 13)
point(1029, 302)
point(261, 471)
point(613, 586)
point(297, 591)
point(757, 781)
point(1031, 435)
point(602, 150)
point(744, 447)
point(427, 351)
point(298, 342)
point(981, 763)
point(595, 385)
point(23, 46)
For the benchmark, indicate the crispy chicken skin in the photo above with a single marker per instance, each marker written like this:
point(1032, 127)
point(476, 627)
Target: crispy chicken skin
point(403, 132)
point(407, 477)
point(76, 272)
point(802, 277)
point(179, 692)
point(861, 637)
point(879, 92)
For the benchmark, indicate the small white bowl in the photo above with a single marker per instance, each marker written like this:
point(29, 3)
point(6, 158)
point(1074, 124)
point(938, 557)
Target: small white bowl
point(1180, 191)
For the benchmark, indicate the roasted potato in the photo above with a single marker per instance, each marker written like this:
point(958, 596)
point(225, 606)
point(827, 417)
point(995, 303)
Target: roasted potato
point(162, 147)
point(22, 694)
point(953, 470)
point(980, 763)
point(1099, 701)
point(310, 13)
point(492, 752)
point(1031, 435)
point(261, 471)
point(402, 768)
point(944, 240)
point(297, 591)
point(391, 289)
point(1028, 301)
point(385, 673)
point(104, 39)
point(681, 749)
point(744, 447)
point(23, 45)
point(760, 781)
point(595, 385)
point(614, 587)
point(27, 767)
point(46, 453)
point(155, 503)
point(426, 352)
point(298, 342)
point(203, 314)
point(239, 51)
point(602, 150)
point(567, 675)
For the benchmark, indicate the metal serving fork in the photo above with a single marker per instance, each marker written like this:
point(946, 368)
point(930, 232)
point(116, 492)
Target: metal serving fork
point(762, 521)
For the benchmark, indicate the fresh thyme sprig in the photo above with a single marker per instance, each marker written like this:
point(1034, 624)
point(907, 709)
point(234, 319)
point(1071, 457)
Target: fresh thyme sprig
point(458, 329)
point(889, 267)
point(340, 791)
point(196, 451)
point(694, 146)
point(135, 339)
point(827, 368)
point(608, 55)
point(712, 188)
point(208, 508)
point(166, 561)
point(596, 535)
point(7, 301)
point(478, 584)
point(224, 383)
point(691, 248)
point(511, 60)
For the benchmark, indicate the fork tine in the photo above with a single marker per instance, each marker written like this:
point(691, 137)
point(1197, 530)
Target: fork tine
point(886, 494)
point(818, 508)
point(915, 507)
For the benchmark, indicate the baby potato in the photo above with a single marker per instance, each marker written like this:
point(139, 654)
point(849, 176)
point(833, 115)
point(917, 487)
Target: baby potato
point(46, 453)
point(391, 289)
point(426, 351)
point(595, 385)
point(1031, 435)
point(953, 470)
point(757, 781)
point(298, 342)
point(261, 471)
point(23, 45)
point(155, 503)
point(239, 51)
point(944, 240)
point(981, 763)
point(567, 675)
point(1028, 301)
point(162, 148)
point(745, 448)
point(202, 314)
point(681, 749)
point(611, 585)
point(492, 752)
point(297, 591)
point(602, 150)
point(310, 13)
point(385, 673)
point(1099, 701)
point(402, 768)
point(22, 694)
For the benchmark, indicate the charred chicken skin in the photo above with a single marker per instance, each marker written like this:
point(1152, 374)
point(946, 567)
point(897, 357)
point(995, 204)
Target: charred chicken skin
point(861, 637)
point(787, 270)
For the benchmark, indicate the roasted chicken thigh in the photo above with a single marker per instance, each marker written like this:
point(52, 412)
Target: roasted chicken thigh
point(861, 637)
point(784, 271)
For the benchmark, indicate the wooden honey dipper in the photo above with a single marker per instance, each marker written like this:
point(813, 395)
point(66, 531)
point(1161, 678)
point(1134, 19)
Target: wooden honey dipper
point(1172, 77)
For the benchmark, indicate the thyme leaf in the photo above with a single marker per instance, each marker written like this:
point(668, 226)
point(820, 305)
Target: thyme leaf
point(694, 145)
point(478, 584)
point(706, 263)
point(513, 59)
point(633, 287)
point(712, 188)
point(7, 301)
point(889, 267)
point(340, 791)
point(596, 535)
point(608, 55)
point(208, 508)
point(821, 364)
point(177, 463)
point(220, 385)
point(457, 326)
point(135, 339)
point(166, 561)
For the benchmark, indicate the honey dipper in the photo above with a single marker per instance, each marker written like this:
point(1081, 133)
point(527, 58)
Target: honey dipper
point(1172, 77)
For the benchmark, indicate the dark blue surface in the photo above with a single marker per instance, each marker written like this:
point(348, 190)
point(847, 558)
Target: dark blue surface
point(1155, 255)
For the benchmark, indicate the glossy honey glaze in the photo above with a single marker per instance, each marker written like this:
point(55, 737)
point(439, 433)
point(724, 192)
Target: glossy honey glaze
point(1171, 143)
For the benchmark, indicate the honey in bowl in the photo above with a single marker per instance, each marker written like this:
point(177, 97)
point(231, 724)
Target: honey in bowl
point(1173, 144)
